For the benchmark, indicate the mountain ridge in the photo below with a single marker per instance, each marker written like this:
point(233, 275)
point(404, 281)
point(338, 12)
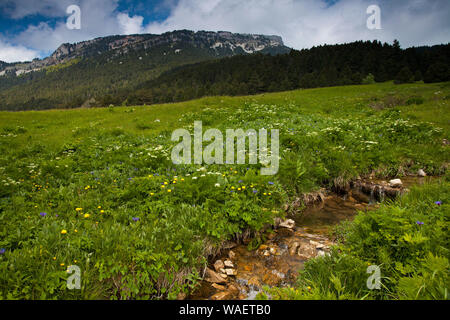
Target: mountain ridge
point(122, 44)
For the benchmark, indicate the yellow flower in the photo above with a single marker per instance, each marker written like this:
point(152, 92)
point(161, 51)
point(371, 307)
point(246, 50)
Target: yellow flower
point(151, 193)
point(76, 230)
point(169, 190)
point(75, 261)
point(239, 189)
point(102, 211)
point(182, 179)
point(62, 264)
point(232, 188)
point(163, 186)
point(265, 194)
point(243, 187)
point(87, 215)
point(54, 258)
point(165, 182)
point(63, 231)
point(78, 209)
point(99, 207)
point(270, 194)
point(150, 175)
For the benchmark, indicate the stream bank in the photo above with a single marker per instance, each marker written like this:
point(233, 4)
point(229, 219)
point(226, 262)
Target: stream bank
point(239, 273)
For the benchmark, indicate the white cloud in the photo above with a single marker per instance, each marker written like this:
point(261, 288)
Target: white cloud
point(11, 53)
point(130, 25)
point(305, 23)
point(98, 18)
point(301, 23)
point(18, 9)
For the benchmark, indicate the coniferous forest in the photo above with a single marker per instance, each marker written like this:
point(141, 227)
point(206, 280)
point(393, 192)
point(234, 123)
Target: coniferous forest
point(95, 81)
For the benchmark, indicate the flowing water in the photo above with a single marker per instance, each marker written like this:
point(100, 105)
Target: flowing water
point(278, 260)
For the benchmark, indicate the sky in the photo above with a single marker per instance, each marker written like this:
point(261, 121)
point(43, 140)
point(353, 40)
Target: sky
point(34, 29)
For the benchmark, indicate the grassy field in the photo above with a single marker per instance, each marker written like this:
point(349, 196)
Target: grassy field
point(96, 187)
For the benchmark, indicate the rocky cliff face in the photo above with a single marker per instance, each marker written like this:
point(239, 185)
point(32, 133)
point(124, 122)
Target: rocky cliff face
point(222, 42)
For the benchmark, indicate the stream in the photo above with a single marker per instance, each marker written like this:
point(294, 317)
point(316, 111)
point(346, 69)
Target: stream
point(239, 273)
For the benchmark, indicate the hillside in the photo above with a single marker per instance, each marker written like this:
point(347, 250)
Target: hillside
point(183, 65)
point(323, 66)
point(76, 74)
point(97, 188)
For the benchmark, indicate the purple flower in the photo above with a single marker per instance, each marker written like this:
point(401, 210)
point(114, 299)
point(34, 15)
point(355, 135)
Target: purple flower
point(255, 191)
point(57, 215)
point(135, 219)
point(2, 250)
point(419, 223)
point(270, 182)
point(43, 214)
point(129, 179)
point(240, 181)
point(438, 203)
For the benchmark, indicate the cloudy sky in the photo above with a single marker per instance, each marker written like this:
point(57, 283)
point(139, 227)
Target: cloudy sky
point(30, 29)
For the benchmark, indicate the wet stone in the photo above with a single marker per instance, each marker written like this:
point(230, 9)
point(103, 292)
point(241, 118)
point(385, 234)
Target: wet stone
point(218, 265)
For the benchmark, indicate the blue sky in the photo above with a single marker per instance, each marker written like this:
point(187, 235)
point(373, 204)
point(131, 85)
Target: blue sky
point(30, 29)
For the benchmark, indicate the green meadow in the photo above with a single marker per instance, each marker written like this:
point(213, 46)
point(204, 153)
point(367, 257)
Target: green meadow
point(97, 188)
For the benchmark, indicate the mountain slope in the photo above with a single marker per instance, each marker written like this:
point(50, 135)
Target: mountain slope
point(322, 66)
point(75, 74)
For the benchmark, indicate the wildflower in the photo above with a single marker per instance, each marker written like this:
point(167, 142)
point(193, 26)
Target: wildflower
point(87, 215)
point(270, 182)
point(243, 187)
point(54, 258)
point(43, 214)
point(75, 230)
point(239, 189)
point(135, 219)
point(78, 209)
point(232, 188)
point(217, 185)
point(240, 181)
point(75, 261)
point(62, 264)
point(152, 194)
point(265, 194)
point(438, 203)
point(309, 288)
point(57, 215)
point(169, 190)
point(255, 191)
point(102, 211)
point(99, 207)
point(2, 250)
point(63, 231)
point(419, 223)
